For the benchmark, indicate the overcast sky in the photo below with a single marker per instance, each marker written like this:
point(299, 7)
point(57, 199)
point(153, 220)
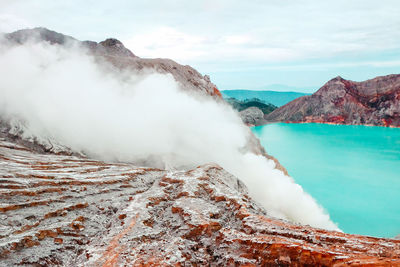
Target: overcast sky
point(240, 44)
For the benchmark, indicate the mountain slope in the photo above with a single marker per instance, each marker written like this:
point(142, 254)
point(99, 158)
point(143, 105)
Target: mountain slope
point(114, 52)
point(372, 102)
point(117, 54)
point(273, 97)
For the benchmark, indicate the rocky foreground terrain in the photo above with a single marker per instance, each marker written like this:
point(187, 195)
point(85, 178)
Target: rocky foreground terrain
point(74, 211)
point(340, 101)
point(60, 208)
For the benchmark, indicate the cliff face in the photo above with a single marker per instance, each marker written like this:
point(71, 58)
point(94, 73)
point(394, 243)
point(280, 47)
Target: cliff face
point(73, 211)
point(372, 102)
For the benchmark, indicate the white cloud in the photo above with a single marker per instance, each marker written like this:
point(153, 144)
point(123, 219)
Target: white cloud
point(185, 47)
point(226, 30)
point(270, 32)
point(167, 42)
point(238, 39)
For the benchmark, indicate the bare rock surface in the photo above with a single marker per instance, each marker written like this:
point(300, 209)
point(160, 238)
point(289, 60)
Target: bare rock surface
point(71, 211)
point(252, 116)
point(340, 101)
point(113, 51)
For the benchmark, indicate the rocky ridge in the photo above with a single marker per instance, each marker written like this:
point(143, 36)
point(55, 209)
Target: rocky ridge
point(71, 211)
point(113, 51)
point(340, 101)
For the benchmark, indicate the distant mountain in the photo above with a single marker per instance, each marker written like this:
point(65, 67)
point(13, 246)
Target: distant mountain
point(285, 88)
point(372, 102)
point(273, 97)
point(240, 105)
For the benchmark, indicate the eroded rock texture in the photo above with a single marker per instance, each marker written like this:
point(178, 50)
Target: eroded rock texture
point(372, 102)
point(73, 211)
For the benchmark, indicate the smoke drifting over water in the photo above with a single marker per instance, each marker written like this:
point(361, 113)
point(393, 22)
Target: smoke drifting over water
point(52, 93)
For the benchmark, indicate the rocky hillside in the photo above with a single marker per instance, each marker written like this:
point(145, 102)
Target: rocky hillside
point(372, 102)
point(72, 211)
point(108, 51)
point(116, 53)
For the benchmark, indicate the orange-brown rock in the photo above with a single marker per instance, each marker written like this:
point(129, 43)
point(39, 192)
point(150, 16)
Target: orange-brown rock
point(198, 217)
point(340, 101)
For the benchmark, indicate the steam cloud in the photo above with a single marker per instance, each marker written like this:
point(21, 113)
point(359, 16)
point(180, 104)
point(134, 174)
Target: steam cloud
point(64, 95)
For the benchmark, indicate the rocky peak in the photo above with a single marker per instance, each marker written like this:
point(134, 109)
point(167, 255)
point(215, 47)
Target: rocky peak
point(337, 78)
point(113, 51)
point(39, 34)
point(115, 47)
point(111, 42)
point(109, 47)
point(331, 85)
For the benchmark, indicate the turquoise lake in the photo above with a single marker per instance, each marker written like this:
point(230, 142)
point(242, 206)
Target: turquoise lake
point(352, 171)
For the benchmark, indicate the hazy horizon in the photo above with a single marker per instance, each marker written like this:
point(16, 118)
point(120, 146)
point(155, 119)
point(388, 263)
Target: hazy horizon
point(283, 88)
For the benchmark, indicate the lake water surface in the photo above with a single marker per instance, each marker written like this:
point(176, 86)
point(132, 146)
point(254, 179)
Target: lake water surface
point(352, 171)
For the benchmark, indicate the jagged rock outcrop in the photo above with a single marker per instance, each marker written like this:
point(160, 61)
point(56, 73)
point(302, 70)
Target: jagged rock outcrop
point(252, 116)
point(372, 102)
point(113, 51)
point(59, 210)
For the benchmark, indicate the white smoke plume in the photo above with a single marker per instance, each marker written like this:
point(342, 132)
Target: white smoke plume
point(64, 95)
